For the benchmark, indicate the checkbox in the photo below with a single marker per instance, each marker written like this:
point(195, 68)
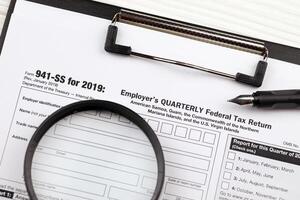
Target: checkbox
point(231, 155)
point(154, 124)
point(181, 131)
point(195, 135)
point(229, 165)
point(225, 185)
point(227, 175)
point(209, 138)
point(166, 128)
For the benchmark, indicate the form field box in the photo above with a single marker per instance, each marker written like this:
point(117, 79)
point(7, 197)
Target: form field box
point(124, 120)
point(91, 112)
point(181, 131)
point(154, 124)
point(189, 175)
point(183, 192)
point(187, 161)
point(121, 194)
point(63, 182)
point(195, 135)
point(105, 140)
point(91, 173)
point(149, 183)
point(105, 114)
point(166, 128)
point(97, 156)
point(100, 125)
point(187, 147)
point(209, 138)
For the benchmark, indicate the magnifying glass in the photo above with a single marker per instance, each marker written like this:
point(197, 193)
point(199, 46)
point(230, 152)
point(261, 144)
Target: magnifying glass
point(94, 150)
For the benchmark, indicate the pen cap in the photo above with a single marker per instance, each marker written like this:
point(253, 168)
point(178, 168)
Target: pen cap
point(280, 99)
point(277, 93)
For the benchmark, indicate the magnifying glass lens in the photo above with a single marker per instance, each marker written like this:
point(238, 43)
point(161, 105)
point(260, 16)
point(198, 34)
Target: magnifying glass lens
point(94, 155)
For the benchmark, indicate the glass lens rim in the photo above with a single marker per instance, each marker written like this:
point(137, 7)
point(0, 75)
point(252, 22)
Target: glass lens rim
point(87, 105)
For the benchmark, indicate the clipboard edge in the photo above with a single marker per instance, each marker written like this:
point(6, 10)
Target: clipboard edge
point(6, 23)
point(107, 11)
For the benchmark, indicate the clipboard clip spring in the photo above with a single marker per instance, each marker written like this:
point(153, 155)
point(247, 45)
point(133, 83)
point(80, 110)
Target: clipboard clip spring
point(181, 29)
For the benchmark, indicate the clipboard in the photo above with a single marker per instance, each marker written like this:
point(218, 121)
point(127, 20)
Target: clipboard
point(108, 12)
point(197, 32)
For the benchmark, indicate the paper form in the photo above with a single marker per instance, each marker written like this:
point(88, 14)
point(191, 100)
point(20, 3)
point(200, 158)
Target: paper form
point(213, 149)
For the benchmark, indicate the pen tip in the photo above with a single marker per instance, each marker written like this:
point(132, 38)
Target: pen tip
point(242, 100)
point(234, 100)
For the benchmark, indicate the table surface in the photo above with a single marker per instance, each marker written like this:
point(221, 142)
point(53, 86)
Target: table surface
point(272, 20)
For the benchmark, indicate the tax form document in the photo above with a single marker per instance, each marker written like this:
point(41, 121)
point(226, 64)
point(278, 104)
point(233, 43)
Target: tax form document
point(214, 150)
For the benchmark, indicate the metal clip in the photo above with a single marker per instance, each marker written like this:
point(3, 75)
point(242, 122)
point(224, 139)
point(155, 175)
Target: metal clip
point(188, 31)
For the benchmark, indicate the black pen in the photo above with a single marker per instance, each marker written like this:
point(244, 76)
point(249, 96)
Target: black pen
point(270, 99)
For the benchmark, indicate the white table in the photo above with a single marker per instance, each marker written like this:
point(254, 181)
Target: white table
point(273, 20)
